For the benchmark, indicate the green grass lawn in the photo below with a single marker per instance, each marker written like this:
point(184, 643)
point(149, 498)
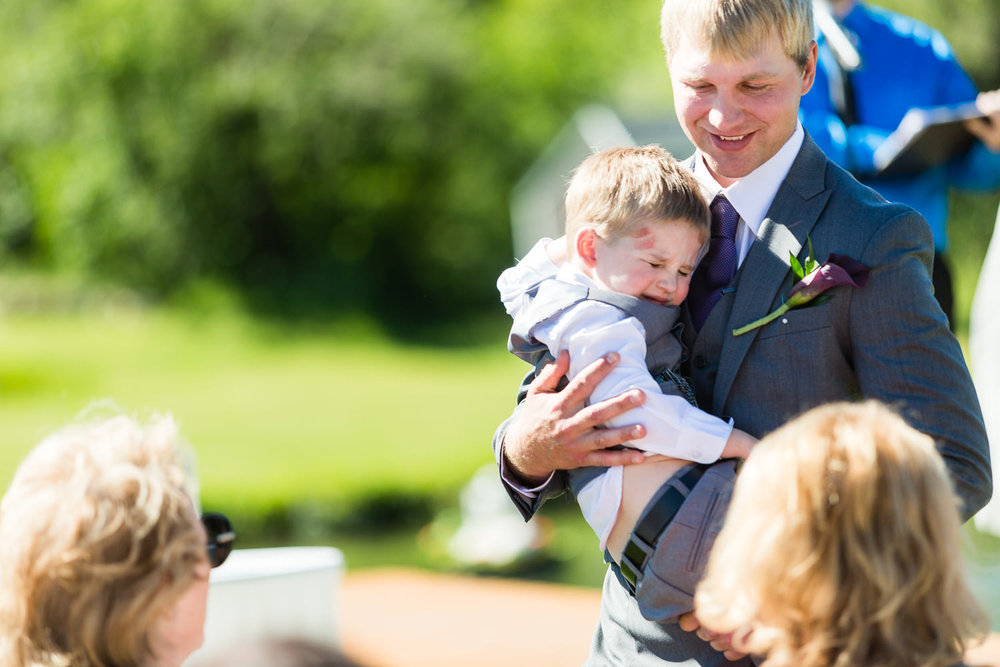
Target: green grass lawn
point(277, 416)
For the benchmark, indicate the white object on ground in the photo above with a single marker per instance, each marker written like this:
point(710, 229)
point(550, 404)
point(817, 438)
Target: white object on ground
point(492, 531)
point(984, 352)
point(279, 592)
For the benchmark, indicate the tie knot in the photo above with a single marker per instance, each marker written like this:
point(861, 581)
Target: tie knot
point(724, 218)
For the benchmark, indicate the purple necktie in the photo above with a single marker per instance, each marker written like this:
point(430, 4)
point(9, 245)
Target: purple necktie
point(718, 266)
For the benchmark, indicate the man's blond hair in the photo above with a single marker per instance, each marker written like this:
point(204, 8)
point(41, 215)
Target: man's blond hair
point(841, 548)
point(617, 190)
point(737, 28)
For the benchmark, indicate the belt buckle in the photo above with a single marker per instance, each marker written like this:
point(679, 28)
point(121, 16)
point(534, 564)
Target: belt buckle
point(629, 573)
point(633, 559)
point(637, 550)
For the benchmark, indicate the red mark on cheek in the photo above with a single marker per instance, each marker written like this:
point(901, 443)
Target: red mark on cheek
point(644, 239)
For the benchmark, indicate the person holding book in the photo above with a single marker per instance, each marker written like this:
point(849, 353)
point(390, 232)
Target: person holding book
point(854, 106)
point(636, 224)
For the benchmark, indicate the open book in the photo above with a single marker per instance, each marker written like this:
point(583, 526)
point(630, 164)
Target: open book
point(925, 138)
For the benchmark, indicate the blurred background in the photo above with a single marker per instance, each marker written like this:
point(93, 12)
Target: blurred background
point(282, 221)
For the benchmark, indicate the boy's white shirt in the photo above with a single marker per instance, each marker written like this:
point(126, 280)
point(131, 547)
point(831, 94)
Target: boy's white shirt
point(589, 330)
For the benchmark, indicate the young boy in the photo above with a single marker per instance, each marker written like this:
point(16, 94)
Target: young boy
point(636, 222)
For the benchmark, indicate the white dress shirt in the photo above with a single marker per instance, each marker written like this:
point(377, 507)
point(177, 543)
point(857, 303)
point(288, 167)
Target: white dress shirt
point(752, 195)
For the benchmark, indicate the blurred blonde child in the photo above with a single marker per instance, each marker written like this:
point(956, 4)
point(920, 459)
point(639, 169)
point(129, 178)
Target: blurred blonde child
point(841, 548)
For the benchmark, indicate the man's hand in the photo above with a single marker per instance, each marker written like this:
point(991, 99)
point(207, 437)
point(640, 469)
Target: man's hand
point(721, 643)
point(554, 430)
point(987, 130)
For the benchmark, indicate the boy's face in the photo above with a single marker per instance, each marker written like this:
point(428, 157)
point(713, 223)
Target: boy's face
point(655, 263)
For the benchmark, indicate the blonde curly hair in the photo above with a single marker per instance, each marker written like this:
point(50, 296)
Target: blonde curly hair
point(98, 539)
point(841, 548)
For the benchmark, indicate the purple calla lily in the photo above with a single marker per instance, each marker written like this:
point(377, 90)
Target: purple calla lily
point(836, 271)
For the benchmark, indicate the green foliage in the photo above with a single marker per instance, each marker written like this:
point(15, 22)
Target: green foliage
point(350, 154)
point(971, 26)
point(970, 227)
point(798, 269)
point(335, 156)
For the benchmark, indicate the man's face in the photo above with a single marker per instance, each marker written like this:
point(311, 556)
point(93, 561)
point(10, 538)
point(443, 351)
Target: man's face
point(738, 113)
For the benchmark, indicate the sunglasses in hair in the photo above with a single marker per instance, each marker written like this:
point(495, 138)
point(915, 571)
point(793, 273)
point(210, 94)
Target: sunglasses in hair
point(220, 537)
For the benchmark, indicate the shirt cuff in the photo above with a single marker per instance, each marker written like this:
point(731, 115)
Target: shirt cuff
point(706, 435)
point(714, 434)
point(526, 493)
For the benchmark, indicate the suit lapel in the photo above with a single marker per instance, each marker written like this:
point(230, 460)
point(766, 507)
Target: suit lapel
point(796, 208)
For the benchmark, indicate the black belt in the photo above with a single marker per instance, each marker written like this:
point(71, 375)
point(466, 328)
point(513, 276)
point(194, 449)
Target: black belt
point(643, 539)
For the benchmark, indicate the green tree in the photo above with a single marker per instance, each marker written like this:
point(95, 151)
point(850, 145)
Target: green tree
point(316, 155)
point(355, 154)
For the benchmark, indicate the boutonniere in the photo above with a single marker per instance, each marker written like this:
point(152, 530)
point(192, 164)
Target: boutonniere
point(814, 279)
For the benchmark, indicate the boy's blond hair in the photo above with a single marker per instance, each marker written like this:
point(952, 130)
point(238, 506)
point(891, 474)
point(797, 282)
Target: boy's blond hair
point(841, 548)
point(617, 190)
point(737, 28)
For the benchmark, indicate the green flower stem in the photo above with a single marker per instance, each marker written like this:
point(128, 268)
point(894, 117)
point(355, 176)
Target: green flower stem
point(778, 312)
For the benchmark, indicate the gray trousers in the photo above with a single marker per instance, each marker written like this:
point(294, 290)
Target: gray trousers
point(677, 561)
point(642, 630)
point(624, 638)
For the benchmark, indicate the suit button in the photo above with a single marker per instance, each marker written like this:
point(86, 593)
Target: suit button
point(700, 362)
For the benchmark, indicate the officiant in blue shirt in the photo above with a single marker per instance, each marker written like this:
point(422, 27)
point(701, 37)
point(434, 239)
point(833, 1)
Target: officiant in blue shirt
point(854, 106)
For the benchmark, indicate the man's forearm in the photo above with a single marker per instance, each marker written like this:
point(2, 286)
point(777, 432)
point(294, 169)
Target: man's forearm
point(913, 361)
point(527, 496)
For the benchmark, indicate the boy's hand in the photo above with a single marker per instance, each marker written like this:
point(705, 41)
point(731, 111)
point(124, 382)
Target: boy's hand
point(739, 445)
point(555, 430)
point(556, 250)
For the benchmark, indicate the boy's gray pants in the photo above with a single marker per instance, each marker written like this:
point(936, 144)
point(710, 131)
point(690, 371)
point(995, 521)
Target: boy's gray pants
point(665, 587)
point(642, 629)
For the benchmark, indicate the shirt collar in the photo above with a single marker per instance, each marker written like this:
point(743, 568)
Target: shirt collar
point(752, 195)
point(569, 273)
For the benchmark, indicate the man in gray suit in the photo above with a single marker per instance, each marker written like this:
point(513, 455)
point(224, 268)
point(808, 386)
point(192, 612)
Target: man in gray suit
point(738, 69)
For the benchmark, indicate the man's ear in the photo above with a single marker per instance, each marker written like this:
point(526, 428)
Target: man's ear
point(809, 73)
point(585, 243)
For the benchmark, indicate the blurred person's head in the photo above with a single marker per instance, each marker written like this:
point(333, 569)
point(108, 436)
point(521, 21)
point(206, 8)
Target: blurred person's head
point(841, 547)
point(841, 7)
point(636, 221)
point(281, 652)
point(738, 70)
point(102, 554)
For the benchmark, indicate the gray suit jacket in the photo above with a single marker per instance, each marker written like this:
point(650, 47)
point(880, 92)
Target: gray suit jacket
point(888, 340)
